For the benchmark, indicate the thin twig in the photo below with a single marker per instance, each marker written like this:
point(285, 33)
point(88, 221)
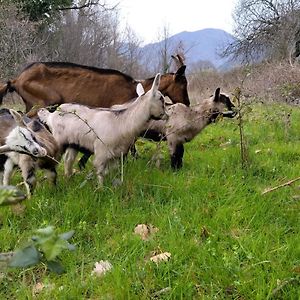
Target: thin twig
point(268, 190)
point(122, 167)
point(52, 158)
point(87, 124)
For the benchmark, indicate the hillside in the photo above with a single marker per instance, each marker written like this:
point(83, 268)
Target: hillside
point(201, 45)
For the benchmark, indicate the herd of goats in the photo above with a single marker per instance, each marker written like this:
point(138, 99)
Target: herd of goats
point(72, 108)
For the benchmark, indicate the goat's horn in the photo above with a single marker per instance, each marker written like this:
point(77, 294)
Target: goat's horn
point(4, 149)
point(178, 60)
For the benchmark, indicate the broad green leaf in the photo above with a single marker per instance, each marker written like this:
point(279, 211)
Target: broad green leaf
point(71, 247)
point(47, 231)
point(53, 247)
point(25, 257)
point(55, 266)
point(10, 195)
point(67, 235)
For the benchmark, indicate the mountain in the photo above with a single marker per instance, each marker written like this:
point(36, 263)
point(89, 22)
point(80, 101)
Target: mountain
point(199, 46)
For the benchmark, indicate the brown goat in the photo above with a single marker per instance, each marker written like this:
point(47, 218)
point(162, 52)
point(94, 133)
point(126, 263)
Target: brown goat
point(48, 83)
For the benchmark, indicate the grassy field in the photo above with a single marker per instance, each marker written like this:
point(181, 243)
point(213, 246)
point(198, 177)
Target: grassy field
point(227, 241)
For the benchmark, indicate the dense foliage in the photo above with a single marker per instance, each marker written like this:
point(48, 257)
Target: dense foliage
point(38, 10)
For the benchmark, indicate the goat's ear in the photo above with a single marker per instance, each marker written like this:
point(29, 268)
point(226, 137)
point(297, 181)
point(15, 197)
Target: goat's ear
point(140, 90)
point(42, 114)
point(180, 71)
point(36, 126)
point(156, 82)
point(178, 60)
point(217, 94)
point(17, 117)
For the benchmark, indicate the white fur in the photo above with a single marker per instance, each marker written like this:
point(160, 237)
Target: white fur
point(106, 133)
point(140, 90)
point(21, 139)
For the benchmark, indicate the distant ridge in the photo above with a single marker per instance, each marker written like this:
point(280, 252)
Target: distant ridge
point(201, 45)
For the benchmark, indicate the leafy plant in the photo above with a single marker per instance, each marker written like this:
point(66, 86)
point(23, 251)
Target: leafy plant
point(242, 109)
point(45, 246)
point(10, 195)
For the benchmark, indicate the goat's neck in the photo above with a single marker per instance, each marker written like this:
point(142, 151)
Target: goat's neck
point(135, 117)
point(163, 85)
point(203, 113)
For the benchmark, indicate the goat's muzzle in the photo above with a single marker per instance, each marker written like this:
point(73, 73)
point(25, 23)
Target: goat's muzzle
point(162, 116)
point(229, 114)
point(39, 152)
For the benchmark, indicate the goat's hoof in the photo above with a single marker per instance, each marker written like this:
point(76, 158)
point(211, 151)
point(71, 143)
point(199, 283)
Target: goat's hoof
point(74, 172)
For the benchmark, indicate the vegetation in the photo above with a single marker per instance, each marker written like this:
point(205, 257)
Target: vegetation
point(220, 236)
point(226, 239)
point(266, 29)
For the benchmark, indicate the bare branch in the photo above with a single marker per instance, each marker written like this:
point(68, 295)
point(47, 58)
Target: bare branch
point(89, 3)
point(280, 186)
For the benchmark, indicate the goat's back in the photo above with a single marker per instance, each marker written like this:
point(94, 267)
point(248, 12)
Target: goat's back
point(55, 82)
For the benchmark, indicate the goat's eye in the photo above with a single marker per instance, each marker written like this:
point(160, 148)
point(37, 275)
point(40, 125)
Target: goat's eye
point(33, 138)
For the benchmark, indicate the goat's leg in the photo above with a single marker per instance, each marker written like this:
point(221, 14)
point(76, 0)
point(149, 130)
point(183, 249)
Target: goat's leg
point(133, 151)
point(100, 164)
point(176, 156)
point(101, 171)
point(70, 156)
point(3, 159)
point(83, 160)
point(27, 167)
point(8, 170)
point(51, 175)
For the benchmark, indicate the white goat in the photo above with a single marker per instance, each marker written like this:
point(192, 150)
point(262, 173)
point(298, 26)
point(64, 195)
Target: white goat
point(29, 164)
point(15, 135)
point(184, 123)
point(105, 132)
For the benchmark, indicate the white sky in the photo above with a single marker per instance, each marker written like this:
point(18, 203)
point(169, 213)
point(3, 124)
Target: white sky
point(148, 17)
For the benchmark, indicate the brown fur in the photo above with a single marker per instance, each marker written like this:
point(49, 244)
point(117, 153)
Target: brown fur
point(48, 83)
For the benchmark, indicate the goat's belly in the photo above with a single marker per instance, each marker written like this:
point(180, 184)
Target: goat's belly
point(119, 150)
point(153, 135)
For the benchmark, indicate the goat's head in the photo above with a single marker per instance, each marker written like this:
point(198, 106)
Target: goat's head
point(176, 84)
point(223, 104)
point(157, 103)
point(22, 139)
point(43, 115)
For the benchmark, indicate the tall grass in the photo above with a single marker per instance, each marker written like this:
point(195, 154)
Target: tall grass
point(227, 241)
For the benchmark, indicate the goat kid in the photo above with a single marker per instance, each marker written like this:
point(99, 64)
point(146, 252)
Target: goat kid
point(184, 123)
point(28, 163)
point(108, 133)
point(16, 136)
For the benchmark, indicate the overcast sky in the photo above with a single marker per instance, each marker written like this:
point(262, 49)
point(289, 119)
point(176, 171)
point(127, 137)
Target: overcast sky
point(147, 18)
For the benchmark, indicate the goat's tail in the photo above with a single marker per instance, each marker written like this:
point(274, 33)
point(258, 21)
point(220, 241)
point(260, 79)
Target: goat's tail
point(4, 89)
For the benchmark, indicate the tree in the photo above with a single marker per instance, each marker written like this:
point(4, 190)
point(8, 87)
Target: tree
point(264, 28)
point(17, 39)
point(85, 35)
point(38, 10)
point(164, 51)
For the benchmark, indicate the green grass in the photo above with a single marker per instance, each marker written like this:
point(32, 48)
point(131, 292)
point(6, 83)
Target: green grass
point(253, 240)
